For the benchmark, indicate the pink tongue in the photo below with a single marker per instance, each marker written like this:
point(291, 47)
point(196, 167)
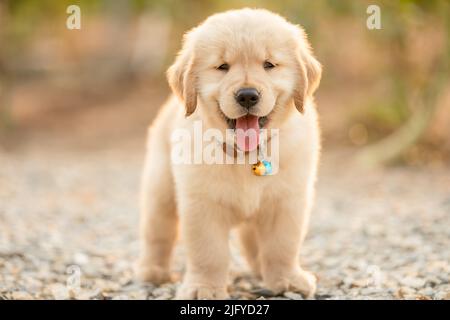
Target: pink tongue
point(247, 131)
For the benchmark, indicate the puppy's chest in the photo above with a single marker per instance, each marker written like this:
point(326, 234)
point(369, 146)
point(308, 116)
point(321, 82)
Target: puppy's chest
point(240, 189)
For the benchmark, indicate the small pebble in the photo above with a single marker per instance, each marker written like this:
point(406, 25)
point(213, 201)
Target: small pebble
point(293, 295)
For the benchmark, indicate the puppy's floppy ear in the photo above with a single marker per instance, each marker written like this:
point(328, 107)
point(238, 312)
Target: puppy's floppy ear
point(181, 76)
point(309, 71)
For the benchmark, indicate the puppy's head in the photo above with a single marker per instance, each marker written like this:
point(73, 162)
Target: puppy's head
point(245, 67)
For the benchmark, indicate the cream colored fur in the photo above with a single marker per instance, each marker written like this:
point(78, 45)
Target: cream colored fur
point(206, 201)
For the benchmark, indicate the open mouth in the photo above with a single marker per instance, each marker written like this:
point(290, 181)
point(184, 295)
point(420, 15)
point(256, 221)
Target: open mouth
point(262, 121)
point(247, 130)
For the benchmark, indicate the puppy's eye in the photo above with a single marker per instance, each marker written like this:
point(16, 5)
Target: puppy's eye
point(268, 65)
point(224, 67)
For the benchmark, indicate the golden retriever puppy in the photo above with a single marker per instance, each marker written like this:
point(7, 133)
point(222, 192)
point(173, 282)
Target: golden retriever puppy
point(240, 70)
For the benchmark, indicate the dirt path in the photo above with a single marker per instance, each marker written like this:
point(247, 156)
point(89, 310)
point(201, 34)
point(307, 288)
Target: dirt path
point(68, 223)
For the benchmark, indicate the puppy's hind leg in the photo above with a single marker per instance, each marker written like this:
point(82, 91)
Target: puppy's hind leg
point(158, 220)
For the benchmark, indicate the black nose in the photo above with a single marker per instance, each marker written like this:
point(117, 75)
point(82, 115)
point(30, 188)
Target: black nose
point(247, 97)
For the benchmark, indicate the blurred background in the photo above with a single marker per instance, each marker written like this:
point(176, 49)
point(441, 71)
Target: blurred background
point(75, 105)
point(385, 94)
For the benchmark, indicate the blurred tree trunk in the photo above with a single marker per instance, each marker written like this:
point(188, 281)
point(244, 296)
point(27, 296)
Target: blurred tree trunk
point(396, 144)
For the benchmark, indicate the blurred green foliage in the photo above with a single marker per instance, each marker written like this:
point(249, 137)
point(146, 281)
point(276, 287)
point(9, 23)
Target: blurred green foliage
point(390, 48)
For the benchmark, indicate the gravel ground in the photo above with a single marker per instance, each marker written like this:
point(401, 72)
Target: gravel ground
point(68, 229)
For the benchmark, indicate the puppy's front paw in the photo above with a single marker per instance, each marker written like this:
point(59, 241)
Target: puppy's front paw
point(151, 273)
point(300, 281)
point(189, 291)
